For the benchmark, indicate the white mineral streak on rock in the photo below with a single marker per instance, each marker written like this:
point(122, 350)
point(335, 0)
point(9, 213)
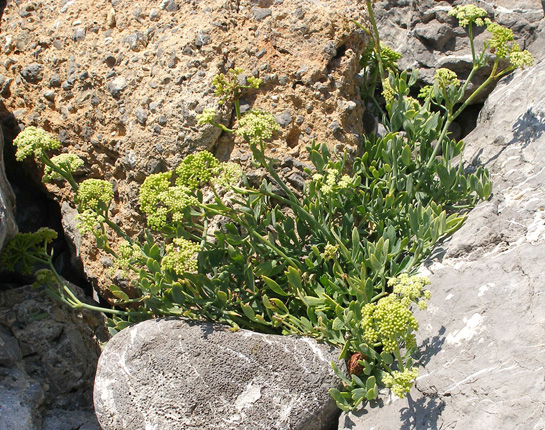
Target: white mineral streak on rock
point(536, 230)
point(471, 329)
point(314, 348)
point(250, 395)
point(484, 288)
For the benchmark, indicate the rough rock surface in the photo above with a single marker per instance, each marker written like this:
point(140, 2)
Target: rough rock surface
point(483, 356)
point(8, 228)
point(429, 39)
point(173, 374)
point(121, 85)
point(48, 356)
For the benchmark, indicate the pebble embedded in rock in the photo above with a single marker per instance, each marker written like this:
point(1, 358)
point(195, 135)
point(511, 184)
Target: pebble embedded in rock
point(283, 119)
point(169, 5)
point(154, 15)
point(260, 13)
point(49, 95)
point(55, 81)
point(117, 86)
point(141, 115)
point(136, 41)
point(32, 73)
point(110, 61)
point(79, 35)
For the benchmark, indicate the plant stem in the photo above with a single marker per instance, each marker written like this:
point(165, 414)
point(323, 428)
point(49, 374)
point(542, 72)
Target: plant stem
point(376, 38)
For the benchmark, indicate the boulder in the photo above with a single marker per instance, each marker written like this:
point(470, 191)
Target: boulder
point(48, 356)
point(121, 85)
point(176, 374)
point(8, 227)
point(482, 355)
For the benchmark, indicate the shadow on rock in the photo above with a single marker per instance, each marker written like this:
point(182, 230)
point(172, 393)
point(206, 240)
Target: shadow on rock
point(528, 127)
point(430, 347)
point(422, 413)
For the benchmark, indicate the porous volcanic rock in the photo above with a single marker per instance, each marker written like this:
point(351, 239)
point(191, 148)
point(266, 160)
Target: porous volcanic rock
point(481, 364)
point(174, 374)
point(121, 83)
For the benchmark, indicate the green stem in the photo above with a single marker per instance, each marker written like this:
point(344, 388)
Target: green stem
point(66, 175)
point(398, 357)
point(237, 108)
point(470, 31)
point(376, 38)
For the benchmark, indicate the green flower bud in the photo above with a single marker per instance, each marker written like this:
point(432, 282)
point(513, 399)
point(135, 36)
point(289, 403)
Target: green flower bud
point(498, 42)
point(207, 116)
point(468, 14)
point(197, 169)
point(445, 78)
point(401, 382)
point(521, 59)
point(34, 141)
point(89, 221)
point(257, 126)
point(180, 256)
point(94, 194)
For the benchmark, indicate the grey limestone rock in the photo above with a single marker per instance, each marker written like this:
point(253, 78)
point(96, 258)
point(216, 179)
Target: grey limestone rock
point(429, 39)
point(8, 227)
point(48, 354)
point(175, 374)
point(482, 355)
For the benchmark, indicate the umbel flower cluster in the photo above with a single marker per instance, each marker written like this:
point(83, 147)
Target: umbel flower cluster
point(33, 141)
point(165, 198)
point(502, 41)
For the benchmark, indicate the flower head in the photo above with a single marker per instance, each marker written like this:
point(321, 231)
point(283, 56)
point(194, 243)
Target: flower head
point(329, 252)
point(180, 256)
point(468, 14)
point(227, 174)
point(387, 91)
point(445, 78)
point(89, 222)
point(391, 320)
point(24, 248)
point(68, 162)
point(94, 194)
point(207, 116)
point(411, 289)
point(401, 382)
point(498, 42)
point(425, 92)
point(257, 126)
point(34, 141)
point(163, 202)
point(521, 59)
point(196, 169)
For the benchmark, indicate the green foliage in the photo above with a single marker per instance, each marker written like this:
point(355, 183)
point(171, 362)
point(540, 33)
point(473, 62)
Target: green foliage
point(23, 251)
point(335, 262)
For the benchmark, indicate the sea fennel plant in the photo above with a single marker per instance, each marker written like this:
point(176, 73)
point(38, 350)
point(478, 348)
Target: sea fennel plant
point(335, 262)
